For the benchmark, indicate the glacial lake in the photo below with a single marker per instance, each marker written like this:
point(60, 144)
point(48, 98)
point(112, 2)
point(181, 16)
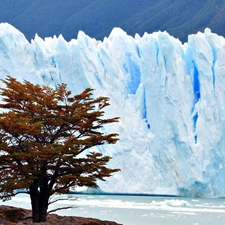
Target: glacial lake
point(140, 210)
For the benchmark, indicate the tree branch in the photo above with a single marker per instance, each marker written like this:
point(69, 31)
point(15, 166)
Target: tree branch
point(56, 133)
point(62, 199)
point(8, 196)
point(67, 207)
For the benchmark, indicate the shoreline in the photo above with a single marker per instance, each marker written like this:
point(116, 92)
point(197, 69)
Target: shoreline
point(10, 215)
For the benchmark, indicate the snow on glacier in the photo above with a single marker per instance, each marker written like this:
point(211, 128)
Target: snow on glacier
point(170, 98)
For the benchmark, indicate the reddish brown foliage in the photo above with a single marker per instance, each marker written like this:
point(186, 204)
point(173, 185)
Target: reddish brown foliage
point(42, 134)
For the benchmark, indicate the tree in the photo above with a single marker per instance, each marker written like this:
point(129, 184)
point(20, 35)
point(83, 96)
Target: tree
point(42, 135)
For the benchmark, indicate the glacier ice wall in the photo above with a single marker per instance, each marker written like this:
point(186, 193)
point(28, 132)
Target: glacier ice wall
point(170, 97)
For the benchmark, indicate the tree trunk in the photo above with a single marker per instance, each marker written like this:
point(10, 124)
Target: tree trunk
point(39, 203)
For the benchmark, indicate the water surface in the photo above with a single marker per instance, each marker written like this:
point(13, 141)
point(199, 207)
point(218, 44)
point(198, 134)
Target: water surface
point(140, 210)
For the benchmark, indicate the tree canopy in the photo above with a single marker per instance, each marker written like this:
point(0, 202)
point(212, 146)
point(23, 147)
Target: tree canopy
point(42, 135)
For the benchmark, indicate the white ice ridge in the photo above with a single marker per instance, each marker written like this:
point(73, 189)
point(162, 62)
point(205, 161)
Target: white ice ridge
point(170, 98)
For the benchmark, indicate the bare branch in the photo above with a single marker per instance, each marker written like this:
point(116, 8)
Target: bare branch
point(62, 208)
point(62, 199)
point(9, 196)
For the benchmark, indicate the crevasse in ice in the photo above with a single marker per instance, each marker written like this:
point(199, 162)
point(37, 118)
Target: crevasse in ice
point(170, 98)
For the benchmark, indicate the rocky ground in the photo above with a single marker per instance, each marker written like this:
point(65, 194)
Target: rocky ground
point(16, 216)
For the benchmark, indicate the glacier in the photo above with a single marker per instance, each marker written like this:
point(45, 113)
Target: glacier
point(170, 98)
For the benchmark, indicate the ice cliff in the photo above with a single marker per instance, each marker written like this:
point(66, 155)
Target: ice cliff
point(170, 98)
